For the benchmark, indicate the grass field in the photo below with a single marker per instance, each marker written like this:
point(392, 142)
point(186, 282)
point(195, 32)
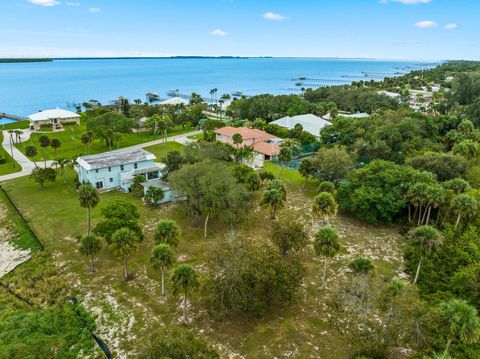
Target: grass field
point(197, 136)
point(129, 311)
point(162, 149)
point(72, 146)
point(10, 166)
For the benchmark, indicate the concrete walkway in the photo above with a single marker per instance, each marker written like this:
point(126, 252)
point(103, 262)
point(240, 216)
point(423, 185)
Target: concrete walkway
point(28, 165)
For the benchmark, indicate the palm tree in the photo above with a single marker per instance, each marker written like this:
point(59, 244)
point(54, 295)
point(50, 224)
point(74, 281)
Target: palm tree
point(31, 152)
point(461, 321)
point(324, 205)
point(237, 139)
point(18, 135)
point(184, 279)
point(306, 168)
point(63, 163)
point(274, 196)
point(87, 139)
point(425, 238)
point(88, 196)
point(44, 142)
point(162, 258)
point(90, 245)
point(284, 156)
point(154, 195)
point(125, 242)
point(167, 232)
point(327, 245)
point(464, 205)
point(55, 143)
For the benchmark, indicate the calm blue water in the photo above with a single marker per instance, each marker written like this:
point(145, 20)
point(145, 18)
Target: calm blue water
point(26, 88)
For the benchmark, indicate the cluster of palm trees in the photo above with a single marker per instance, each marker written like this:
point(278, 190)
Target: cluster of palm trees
point(125, 242)
point(449, 199)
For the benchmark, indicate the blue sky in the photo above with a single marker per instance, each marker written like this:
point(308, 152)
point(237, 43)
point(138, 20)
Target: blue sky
point(392, 29)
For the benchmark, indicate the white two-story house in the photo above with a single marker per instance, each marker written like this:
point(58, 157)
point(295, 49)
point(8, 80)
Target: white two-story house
point(116, 169)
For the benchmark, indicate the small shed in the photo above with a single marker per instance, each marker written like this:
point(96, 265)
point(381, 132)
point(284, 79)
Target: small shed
point(53, 118)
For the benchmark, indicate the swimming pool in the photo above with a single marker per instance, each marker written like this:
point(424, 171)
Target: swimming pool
point(4, 121)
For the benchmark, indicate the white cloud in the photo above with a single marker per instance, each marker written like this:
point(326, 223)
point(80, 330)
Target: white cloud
point(273, 16)
point(45, 2)
point(74, 4)
point(219, 32)
point(407, 2)
point(426, 24)
point(451, 26)
point(95, 9)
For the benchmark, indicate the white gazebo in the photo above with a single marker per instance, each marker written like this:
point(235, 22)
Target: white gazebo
point(53, 118)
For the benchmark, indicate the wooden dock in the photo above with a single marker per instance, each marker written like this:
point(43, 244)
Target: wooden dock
point(13, 117)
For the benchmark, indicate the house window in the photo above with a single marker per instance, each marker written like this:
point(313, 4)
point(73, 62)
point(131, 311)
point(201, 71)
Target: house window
point(122, 167)
point(135, 166)
point(109, 169)
point(99, 185)
point(96, 171)
point(111, 180)
point(152, 175)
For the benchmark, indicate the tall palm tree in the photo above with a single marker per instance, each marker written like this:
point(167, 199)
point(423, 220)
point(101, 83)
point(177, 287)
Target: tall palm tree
point(284, 156)
point(425, 238)
point(125, 242)
point(87, 139)
point(44, 142)
point(274, 197)
point(461, 321)
point(327, 245)
point(167, 232)
point(90, 245)
point(306, 168)
point(63, 163)
point(162, 258)
point(31, 152)
point(184, 280)
point(18, 136)
point(55, 143)
point(464, 206)
point(324, 205)
point(88, 196)
point(237, 139)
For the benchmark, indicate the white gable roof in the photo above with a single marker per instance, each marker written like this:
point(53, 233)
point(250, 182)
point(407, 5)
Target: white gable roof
point(52, 114)
point(310, 123)
point(174, 101)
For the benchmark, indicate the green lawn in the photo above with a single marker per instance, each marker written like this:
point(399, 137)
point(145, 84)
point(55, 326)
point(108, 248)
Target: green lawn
point(72, 146)
point(19, 125)
point(132, 310)
point(197, 136)
point(10, 166)
point(162, 149)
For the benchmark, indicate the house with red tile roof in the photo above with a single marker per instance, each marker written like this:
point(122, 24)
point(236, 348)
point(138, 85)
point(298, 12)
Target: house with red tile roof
point(264, 145)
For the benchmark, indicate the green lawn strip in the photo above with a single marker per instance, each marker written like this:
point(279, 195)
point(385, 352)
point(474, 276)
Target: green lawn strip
point(162, 149)
point(72, 146)
point(19, 125)
point(25, 238)
point(10, 165)
point(55, 215)
point(197, 136)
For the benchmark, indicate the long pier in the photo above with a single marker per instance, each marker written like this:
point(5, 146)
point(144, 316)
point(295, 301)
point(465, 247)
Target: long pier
point(312, 82)
point(13, 117)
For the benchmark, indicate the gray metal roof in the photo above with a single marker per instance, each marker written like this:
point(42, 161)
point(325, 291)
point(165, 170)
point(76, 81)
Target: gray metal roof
point(114, 158)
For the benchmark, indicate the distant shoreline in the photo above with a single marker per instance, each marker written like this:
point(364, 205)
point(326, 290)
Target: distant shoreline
point(20, 60)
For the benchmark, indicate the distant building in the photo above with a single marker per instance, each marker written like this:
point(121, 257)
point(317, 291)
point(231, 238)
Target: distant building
point(393, 95)
point(347, 115)
point(265, 146)
point(116, 169)
point(310, 123)
point(53, 118)
point(174, 101)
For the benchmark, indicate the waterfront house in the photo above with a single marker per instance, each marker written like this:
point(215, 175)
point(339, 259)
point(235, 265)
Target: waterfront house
point(55, 119)
point(265, 146)
point(310, 123)
point(116, 169)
